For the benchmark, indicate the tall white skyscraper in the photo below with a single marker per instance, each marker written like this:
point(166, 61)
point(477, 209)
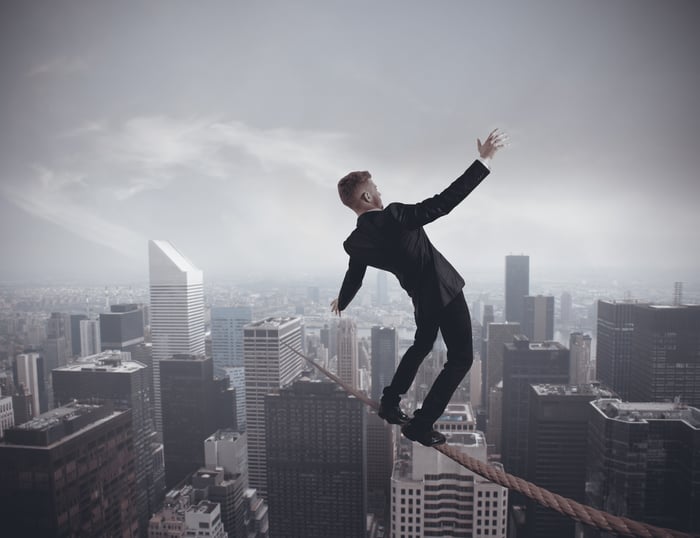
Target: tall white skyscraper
point(269, 366)
point(177, 310)
point(347, 352)
point(582, 368)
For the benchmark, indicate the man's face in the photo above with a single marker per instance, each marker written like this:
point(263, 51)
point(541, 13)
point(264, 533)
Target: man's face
point(375, 194)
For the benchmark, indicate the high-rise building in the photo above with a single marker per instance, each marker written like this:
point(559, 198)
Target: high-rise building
point(432, 495)
point(643, 462)
point(347, 352)
point(270, 364)
point(385, 354)
point(214, 485)
point(538, 317)
point(256, 517)
point(380, 461)
point(614, 346)
point(176, 310)
point(316, 461)
point(582, 369)
point(558, 434)
point(517, 286)
point(75, 320)
point(89, 337)
point(526, 363)
point(69, 472)
point(195, 405)
point(112, 376)
point(123, 327)
point(329, 337)
point(666, 349)
point(227, 449)
point(499, 334)
point(227, 324)
point(29, 380)
point(7, 414)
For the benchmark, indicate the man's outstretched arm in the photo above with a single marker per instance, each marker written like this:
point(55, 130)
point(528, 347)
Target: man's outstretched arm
point(351, 285)
point(422, 213)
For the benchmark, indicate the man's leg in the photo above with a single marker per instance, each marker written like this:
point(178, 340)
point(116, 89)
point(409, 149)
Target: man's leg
point(426, 333)
point(456, 329)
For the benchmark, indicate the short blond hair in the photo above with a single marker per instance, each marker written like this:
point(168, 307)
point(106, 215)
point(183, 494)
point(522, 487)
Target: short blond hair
point(349, 185)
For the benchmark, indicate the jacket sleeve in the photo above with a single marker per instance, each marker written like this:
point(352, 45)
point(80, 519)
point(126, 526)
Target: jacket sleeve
point(351, 283)
point(416, 215)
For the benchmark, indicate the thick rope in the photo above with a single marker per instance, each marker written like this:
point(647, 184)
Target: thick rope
point(565, 506)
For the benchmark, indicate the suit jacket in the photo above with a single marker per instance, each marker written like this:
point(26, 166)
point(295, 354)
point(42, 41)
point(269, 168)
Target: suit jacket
point(393, 240)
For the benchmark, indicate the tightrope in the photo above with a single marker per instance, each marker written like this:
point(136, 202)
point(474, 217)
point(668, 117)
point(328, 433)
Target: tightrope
point(580, 512)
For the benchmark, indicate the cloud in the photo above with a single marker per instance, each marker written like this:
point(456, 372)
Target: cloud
point(60, 65)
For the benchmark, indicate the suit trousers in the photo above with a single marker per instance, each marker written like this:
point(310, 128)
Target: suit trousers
point(454, 323)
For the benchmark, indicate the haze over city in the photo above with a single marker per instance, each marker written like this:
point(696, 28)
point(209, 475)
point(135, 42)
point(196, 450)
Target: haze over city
point(224, 127)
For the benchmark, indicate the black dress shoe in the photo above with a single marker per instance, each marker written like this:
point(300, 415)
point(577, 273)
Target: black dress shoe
point(393, 414)
point(426, 437)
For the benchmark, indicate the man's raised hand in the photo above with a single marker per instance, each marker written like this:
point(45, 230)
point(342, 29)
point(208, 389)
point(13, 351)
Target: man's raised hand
point(334, 306)
point(495, 141)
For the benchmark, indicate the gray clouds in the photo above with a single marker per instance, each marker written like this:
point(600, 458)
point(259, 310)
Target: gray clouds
point(223, 126)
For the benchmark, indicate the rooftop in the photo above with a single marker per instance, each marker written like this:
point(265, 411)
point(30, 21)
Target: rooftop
point(591, 389)
point(106, 361)
point(270, 323)
point(643, 412)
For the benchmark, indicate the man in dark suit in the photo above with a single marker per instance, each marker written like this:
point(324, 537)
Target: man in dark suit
point(393, 239)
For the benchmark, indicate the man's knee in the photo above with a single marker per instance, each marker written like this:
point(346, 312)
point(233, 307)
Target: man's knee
point(459, 361)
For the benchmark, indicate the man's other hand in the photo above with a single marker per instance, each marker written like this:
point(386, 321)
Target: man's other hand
point(334, 306)
point(495, 141)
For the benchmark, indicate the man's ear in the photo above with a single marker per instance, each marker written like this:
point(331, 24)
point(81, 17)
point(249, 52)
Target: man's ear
point(366, 196)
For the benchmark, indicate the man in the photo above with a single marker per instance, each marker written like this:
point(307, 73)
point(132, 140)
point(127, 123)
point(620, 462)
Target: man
point(393, 239)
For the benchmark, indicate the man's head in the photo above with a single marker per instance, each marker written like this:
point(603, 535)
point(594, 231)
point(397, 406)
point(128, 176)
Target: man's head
point(359, 193)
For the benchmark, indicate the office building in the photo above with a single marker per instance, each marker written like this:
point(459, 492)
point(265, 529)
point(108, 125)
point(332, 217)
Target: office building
point(347, 352)
point(643, 462)
point(270, 364)
point(499, 334)
point(69, 472)
point(7, 414)
point(227, 324)
point(565, 309)
point(380, 462)
point(203, 520)
point(558, 436)
point(517, 286)
point(382, 288)
point(582, 369)
point(123, 327)
point(316, 461)
point(213, 484)
point(432, 495)
point(176, 310)
point(385, 355)
point(195, 405)
point(256, 520)
point(526, 363)
point(614, 346)
point(75, 320)
point(665, 345)
point(538, 317)
point(228, 450)
point(30, 381)
point(112, 376)
point(89, 337)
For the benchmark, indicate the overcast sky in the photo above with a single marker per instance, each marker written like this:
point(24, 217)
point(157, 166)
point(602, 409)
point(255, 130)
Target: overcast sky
point(225, 126)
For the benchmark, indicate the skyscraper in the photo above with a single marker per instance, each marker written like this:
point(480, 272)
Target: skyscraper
point(75, 320)
point(176, 310)
point(195, 405)
point(614, 346)
point(385, 354)
point(431, 495)
point(582, 370)
point(558, 434)
point(382, 288)
point(538, 317)
point(270, 364)
point(69, 472)
point(380, 462)
point(112, 376)
point(517, 286)
point(122, 327)
point(643, 462)
point(526, 363)
point(29, 375)
point(565, 307)
point(227, 324)
point(316, 461)
point(347, 352)
point(666, 347)
point(89, 337)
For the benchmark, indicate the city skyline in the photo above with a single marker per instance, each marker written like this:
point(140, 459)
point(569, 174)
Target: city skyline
point(209, 123)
